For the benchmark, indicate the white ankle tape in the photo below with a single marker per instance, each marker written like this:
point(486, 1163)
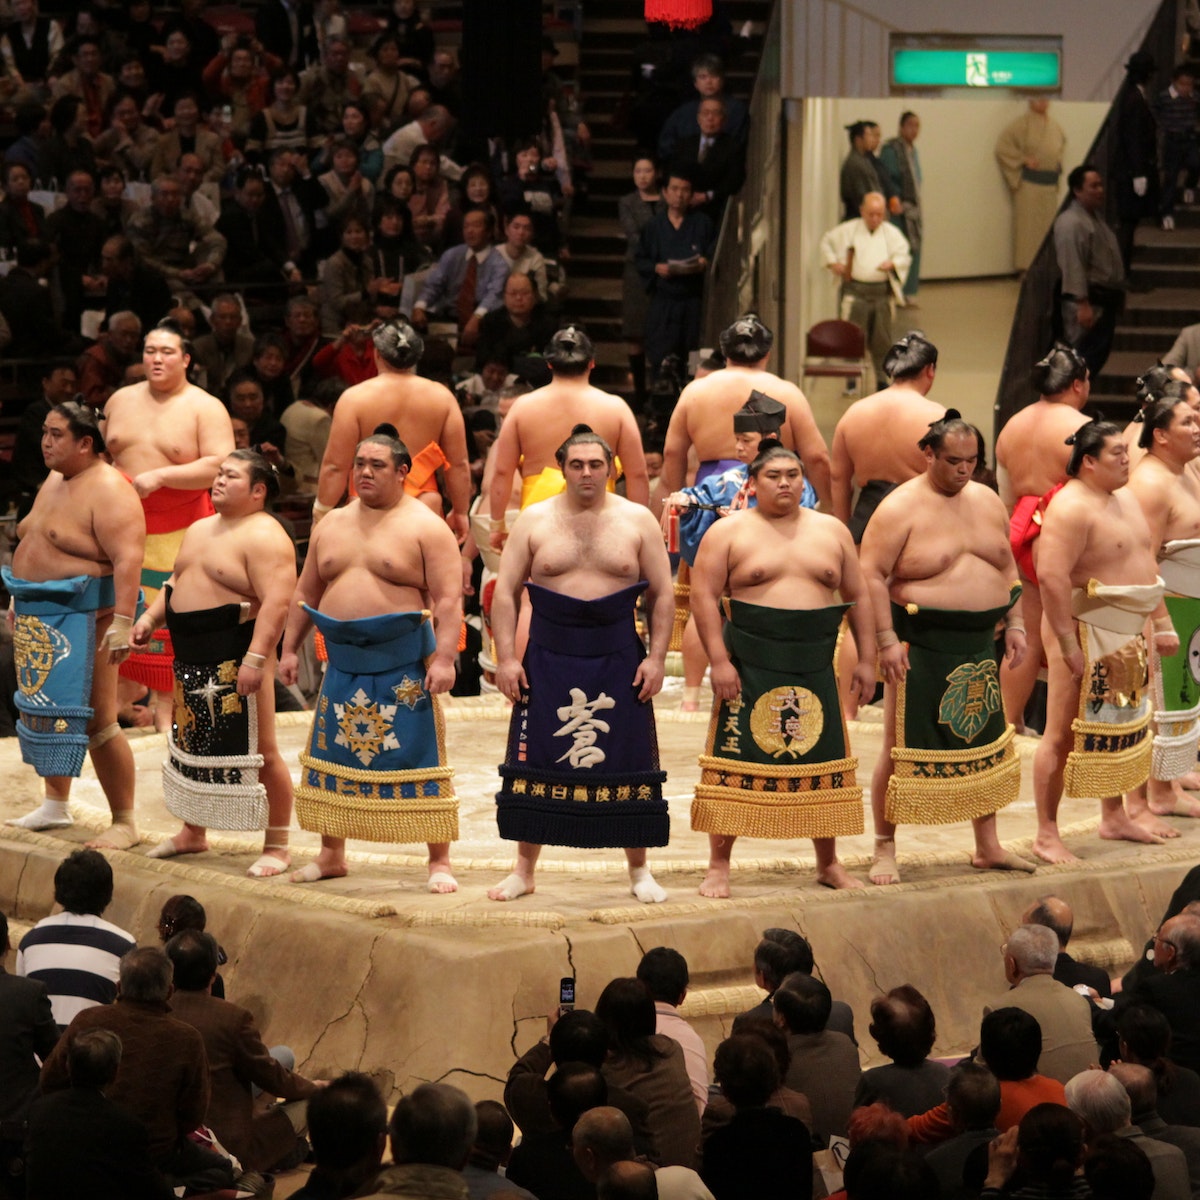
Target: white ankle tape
point(103, 735)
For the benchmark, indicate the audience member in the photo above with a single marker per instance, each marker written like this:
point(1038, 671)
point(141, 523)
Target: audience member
point(652, 1067)
point(58, 385)
point(347, 1125)
point(761, 1151)
point(520, 255)
point(467, 283)
point(665, 973)
point(386, 87)
point(1102, 1104)
point(173, 244)
point(1174, 986)
point(713, 159)
point(237, 1062)
point(20, 218)
point(1138, 1082)
point(88, 82)
point(104, 364)
point(82, 1143)
point(1047, 1150)
point(26, 305)
point(972, 1103)
point(1116, 1169)
point(240, 78)
point(196, 205)
point(708, 77)
point(129, 286)
point(349, 276)
point(543, 1162)
point(483, 1173)
point(31, 43)
point(429, 202)
point(302, 333)
point(182, 912)
point(1144, 1039)
point(256, 249)
point(824, 1063)
point(325, 89)
point(188, 136)
point(27, 1034)
point(306, 423)
point(227, 347)
point(1056, 914)
point(111, 206)
point(292, 202)
point(129, 142)
point(902, 1024)
point(519, 327)
point(350, 357)
point(76, 953)
point(577, 1036)
point(77, 236)
point(269, 362)
point(163, 1078)
point(1064, 1016)
point(66, 148)
point(284, 125)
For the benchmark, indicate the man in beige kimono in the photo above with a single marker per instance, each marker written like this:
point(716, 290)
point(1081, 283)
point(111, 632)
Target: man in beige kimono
point(1030, 153)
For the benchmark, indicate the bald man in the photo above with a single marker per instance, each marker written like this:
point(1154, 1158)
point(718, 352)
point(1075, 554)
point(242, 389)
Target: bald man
point(1055, 914)
point(867, 254)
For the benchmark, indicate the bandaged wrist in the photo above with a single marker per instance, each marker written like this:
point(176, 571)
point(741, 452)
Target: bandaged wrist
point(116, 637)
point(497, 525)
point(1014, 620)
point(255, 662)
point(1163, 625)
point(1068, 645)
point(886, 638)
point(319, 510)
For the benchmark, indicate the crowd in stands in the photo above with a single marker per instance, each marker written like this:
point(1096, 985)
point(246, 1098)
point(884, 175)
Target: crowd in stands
point(1066, 1094)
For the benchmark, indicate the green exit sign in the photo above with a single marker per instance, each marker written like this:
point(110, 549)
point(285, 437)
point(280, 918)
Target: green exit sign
point(985, 65)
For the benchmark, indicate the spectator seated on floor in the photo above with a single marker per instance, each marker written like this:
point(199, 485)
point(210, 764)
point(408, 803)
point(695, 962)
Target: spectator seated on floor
point(347, 1125)
point(76, 953)
point(238, 1061)
point(664, 971)
point(81, 1142)
point(973, 1103)
point(824, 1063)
point(1010, 1044)
point(27, 1035)
point(1143, 1100)
point(1144, 1038)
point(490, 1154)
point(1116, 1169)
point(762, 1151)
point(1056, 914)
point(163, 1079)
point(903, 1027)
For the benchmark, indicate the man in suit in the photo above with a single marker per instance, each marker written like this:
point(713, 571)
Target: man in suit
point(713, 159)
point(26, 305)
point(83, 1144)
point(1056, 914)
point(257, 248)
point(237, 1060)
point(292, 198)
point(227, 347)
point(1174, 987)
point(708, 76)
point(448, 292)
point(1140, 1083)
point(1065, 1017)
point(27, 1029)
point(128, 286)
point(286, 29)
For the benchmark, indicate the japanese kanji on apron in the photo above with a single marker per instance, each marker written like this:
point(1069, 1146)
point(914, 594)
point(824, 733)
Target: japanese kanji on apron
point(777, 761)
point(582, 762)
point(954, 757)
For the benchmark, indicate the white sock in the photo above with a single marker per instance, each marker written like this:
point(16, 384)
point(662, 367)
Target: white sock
point(53, 814)
point(691, 695)
point(644, 887)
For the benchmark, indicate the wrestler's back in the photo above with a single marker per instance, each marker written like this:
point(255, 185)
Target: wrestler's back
point(1109, 531)
point(370, 561)
point(545, 418)
point(956, 553)
point(212, 566)
point(586, 554)
point(879, 434)
point(56, 536)
point(1032, 446)
point(790, 564)
point(143, 432)
point(708, 405)
point(417, 407)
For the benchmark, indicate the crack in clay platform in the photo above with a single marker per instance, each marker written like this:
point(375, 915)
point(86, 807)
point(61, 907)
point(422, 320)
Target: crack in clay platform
point(371, 972)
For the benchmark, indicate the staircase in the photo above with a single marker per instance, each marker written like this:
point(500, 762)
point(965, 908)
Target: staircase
point(1169, 263)
point(611, 31)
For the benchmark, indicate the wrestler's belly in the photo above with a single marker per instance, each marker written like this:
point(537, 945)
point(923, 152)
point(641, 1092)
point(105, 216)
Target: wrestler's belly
point(134, 459)
point(969, 585)
point(194, 589)
point(788, 594)
point(38, 559)
point(358, 593)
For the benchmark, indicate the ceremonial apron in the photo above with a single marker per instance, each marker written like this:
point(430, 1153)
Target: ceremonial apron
point(954, 757)
point(581, 767)
point(777, 762)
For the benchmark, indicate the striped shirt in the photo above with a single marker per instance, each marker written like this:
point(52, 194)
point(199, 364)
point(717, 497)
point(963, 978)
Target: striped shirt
point(77, 956)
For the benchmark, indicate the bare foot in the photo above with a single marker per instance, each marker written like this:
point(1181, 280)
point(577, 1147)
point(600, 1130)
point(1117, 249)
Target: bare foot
point(884, 869)
point(1149, 821)
point(441, 882)
point(118, 836)
point(1121, 827)
point(689, 706)
point(184, 842)
point(716, 883)
point(1049, 848)
point(324, 866)
point(1190, 782)
point(270, 863)
point(511, 887)
point(836, 876)
point(1006, 861)
point(1177, 804)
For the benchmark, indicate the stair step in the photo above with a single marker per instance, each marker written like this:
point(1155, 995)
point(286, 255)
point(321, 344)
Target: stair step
point(1151, 340)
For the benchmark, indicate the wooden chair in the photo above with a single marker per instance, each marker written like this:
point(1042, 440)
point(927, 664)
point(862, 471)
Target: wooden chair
point(835, 350)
